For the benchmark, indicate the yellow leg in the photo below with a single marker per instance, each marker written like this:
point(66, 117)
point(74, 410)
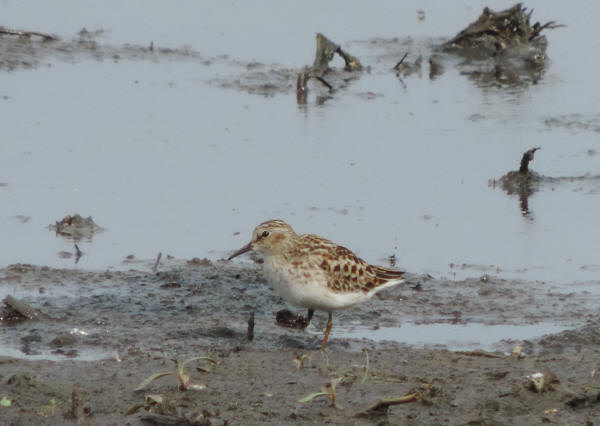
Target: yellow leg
point(327, 331)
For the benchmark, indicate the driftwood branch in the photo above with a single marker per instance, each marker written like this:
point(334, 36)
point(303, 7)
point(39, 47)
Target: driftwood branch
point(326, 50)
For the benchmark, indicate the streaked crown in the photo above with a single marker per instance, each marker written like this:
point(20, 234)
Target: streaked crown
point(272, 236)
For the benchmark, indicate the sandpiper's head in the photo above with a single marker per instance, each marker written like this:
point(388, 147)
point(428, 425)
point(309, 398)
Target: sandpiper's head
point(268, 238)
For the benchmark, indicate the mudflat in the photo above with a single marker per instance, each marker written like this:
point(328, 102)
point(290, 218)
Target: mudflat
point(103, 333)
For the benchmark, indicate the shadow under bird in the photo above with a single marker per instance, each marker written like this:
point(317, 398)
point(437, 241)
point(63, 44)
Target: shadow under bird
point(312, 272)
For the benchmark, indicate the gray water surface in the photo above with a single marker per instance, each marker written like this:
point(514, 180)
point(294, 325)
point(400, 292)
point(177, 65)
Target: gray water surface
point(166, 160)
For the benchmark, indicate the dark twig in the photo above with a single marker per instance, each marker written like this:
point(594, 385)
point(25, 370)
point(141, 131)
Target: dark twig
point(538, 28)
point(78, 253)
point(155, 268)
point(251, 327)
point(528, 16)
point(397, 66)
point(322, 80)
point(401, 82)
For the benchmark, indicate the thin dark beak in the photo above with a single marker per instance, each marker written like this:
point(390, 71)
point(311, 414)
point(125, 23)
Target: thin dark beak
point(243, 250)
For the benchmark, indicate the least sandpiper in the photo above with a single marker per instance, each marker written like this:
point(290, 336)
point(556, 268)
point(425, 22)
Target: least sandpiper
point(312, 272)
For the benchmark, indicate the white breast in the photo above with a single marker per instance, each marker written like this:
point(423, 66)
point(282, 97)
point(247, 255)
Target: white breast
point(304, 292)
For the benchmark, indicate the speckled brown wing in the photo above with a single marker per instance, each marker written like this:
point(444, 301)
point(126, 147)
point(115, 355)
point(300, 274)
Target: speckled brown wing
point(345, 271)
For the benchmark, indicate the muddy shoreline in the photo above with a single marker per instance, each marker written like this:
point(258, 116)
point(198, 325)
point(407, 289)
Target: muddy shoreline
point(129, 324)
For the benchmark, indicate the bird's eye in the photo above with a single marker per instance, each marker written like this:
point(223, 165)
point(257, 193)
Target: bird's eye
point(265, 234)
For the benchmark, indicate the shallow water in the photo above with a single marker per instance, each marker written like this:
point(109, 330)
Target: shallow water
point(82, 355)
point(168, 161)
point(454, 337)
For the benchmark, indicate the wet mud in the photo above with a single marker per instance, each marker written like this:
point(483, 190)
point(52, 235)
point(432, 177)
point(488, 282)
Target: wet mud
point(103, 333)
point(575, 123)
point(23, 53)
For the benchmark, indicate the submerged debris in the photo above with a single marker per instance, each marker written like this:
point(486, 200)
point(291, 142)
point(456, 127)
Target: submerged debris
point(525, 182)
point(325, 52)
point(513, 181)
point(76, 227)
point(20, 49)
point(513, 50)
point(26, 34)
point(522, 181)
point(498, 31)
point(573, 123)
point(405, 68)
point(326, 49)
point(519, 181)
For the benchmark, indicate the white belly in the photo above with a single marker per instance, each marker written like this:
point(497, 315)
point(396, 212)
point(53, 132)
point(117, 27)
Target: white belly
point(310, 292)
